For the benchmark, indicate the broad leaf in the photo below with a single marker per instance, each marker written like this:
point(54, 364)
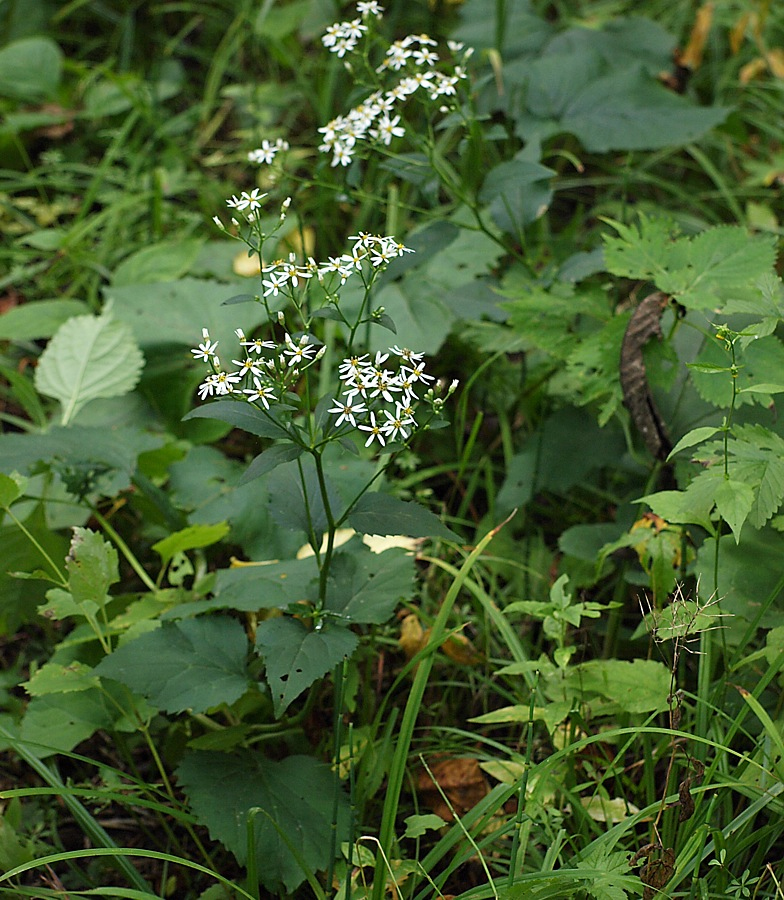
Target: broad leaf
point(295, 797)
point(59, 678)
point(190, 538)
point(241, 415)
point(262, 586)
point(33, 321)
point(518, 192)
point(11, 488)
point(295, 656)
point(366, 587)
point(92, 567)
point(30, 69)
point(637, 686)
point(89, 357)
point(383, 514)
point(734, 500)
point(631, 110)
point(195, 664)
point(270, 459)
point(58, 722)
point(165, 261)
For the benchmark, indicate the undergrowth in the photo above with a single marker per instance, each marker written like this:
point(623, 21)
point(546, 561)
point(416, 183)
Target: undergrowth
point(391, 472)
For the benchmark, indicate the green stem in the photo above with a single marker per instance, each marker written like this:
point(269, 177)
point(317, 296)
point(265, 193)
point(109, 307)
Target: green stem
point(31, 537)
point(126, 551)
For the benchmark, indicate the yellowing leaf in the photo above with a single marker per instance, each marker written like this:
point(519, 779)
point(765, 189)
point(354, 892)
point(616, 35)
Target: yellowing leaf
point(412, 636)
point(601, 809)
point(775, 60)
point(751, 70)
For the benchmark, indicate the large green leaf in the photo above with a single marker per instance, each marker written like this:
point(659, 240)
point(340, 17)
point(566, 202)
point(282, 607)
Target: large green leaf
point(160, 262)
point(517, 192)
point(366, 587)
point(383, 514)
point(30, 69)
point(33, 321)
point(180, 309)
point(89, 357)
point(58, 722)
point(295, 800)
point(195, 664)
point(296, 656)
point(635, 686)
point(631, 110)
point(241, 415)
point(92, 566)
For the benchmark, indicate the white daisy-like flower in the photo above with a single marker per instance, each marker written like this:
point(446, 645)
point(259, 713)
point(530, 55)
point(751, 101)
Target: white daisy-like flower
point(206, 349)
point(387, 129)
point(347, 411)
point(274, 283)
point(397, 425)
point(374, 431)
point(299, 351)
point(224, 382)
point(262, 392)
point(256, 345)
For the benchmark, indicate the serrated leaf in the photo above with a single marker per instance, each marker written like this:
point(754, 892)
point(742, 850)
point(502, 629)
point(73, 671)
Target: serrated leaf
point(11, 488)
point(195, 664)
point(242, 415)
point(691, 438)
point(270, 459)
point(366, 587)
point(636, 686)
point(297, 795)
point(190, 538)
point(734, 500)
point(295, 657)
point(254, 587)
point(91, 565)
point(383, 514)
point(58, 722)
point(89, 357)
point(57, 678)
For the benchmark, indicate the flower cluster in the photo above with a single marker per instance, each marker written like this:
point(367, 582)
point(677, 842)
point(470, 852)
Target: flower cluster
point(271, 368)
point(380, 396)
point(375, 118)
point(285, 275)
point(267, 152)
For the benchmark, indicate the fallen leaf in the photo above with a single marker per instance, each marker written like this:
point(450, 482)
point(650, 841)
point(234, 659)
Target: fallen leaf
point(461, 780)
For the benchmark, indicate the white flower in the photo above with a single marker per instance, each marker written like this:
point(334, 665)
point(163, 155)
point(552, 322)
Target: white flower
point(225, 381)
point(264, 154)
point(423, 56)
point(247, 365)
point(298, 352)
point(347, 411)
point(388, 128)
point(370, 8)
point(207, 387)
point(257, 345)
point(406, 354)
point(350, 368)
point(417, 373)
point(396, 424)
point(274, 283)
point(342, 155)
point(206, 349)
point(375, 432)
point(397, 54)
point(262, 392)
point(353, 30)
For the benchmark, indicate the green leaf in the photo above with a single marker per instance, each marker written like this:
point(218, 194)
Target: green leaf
point(270, 459)
point(383, 514)
point(757, 459)
point(641, 250)
point(165, 261)
point(691, 438)
point(58, 722)
point(631, 110)
point(30, 69)
point(517, 192)
point(58, 678)
point(89, 357)
point(12, 487)
point(416, 826)
point(635, 686)
point(92, 567)
point(33, 321)
point(295, 657)
point(263, 586)
point(366, 587)
point(241, 415)
point(190, 538)
point(196, 664)
point(296, 795)
point(734, 500)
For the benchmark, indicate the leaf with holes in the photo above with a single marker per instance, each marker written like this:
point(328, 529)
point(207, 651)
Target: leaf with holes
point(295, 656)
